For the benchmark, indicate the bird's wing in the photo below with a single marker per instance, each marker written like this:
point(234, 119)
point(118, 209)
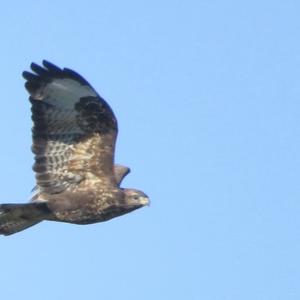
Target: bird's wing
point(120, 172)
point(74, 129)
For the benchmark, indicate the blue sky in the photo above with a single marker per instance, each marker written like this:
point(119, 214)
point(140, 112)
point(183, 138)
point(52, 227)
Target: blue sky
point(207, 98)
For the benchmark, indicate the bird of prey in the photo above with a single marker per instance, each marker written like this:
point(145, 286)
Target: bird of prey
point(74, 134)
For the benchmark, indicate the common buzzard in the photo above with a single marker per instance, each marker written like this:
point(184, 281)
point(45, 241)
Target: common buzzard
point(74, 134)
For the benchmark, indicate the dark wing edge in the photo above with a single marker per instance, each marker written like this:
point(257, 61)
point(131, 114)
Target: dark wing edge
point(47, 72)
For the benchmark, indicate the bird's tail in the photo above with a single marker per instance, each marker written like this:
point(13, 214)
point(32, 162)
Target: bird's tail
point(17, 217)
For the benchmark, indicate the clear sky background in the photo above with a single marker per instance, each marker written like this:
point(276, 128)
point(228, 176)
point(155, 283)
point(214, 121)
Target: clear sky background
point(207, 97)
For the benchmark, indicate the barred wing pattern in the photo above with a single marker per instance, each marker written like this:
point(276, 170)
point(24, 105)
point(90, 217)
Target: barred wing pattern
point(74, 130)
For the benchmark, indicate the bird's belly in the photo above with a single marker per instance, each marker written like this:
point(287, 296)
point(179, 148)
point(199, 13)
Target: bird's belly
point(87, 215)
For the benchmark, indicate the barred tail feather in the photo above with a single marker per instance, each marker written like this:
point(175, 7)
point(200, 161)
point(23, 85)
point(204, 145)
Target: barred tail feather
point(17, 217)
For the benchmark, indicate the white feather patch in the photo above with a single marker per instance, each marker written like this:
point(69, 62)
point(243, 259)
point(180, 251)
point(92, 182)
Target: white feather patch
point(65, 92)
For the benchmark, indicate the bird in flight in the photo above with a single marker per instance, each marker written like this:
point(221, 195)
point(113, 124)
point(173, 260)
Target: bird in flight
point(74, 134)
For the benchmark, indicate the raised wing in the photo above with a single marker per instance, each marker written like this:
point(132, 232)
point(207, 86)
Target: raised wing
point(74, 129)
point(120, 172)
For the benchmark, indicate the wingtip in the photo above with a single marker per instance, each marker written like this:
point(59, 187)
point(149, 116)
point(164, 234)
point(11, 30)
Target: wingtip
point(38, 69)
point(50, 66)
point(33, 65)
point(28, 76)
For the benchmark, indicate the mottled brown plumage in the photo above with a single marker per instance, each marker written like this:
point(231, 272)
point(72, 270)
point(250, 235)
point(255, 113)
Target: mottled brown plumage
point(74, 135)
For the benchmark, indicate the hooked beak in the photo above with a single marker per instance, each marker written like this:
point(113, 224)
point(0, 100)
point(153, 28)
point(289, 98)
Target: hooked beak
point(145, 201)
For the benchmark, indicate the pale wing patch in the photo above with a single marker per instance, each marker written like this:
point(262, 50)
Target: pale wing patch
point(64, 93)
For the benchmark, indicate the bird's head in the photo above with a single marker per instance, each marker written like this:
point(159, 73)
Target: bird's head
point(135, 199)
